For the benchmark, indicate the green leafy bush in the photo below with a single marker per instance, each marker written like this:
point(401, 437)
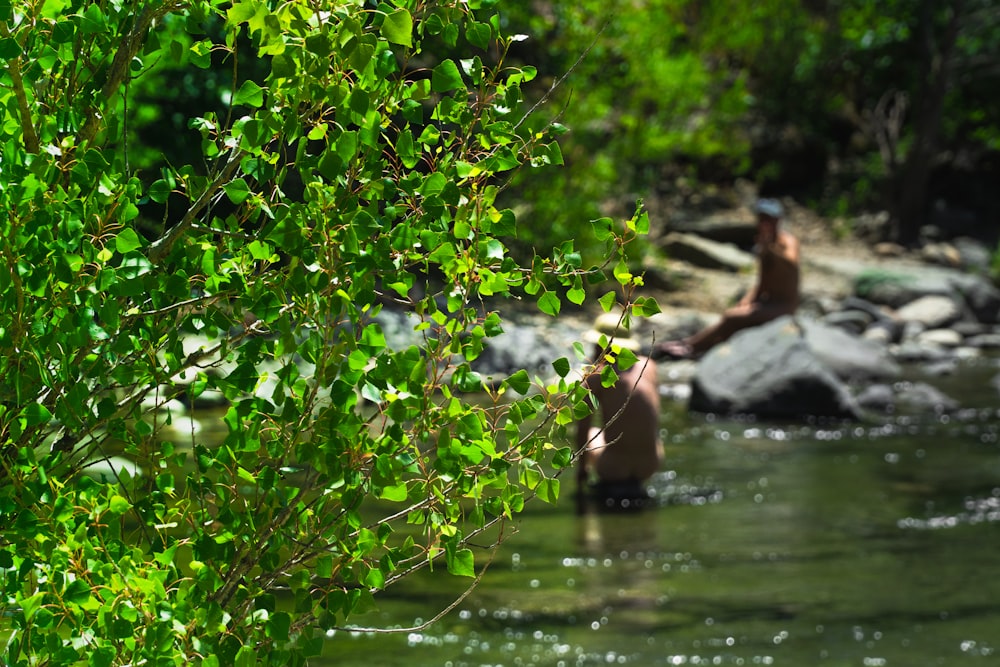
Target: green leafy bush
point(358, 172)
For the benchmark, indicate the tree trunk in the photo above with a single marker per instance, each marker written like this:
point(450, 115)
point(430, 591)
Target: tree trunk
point(910, 194)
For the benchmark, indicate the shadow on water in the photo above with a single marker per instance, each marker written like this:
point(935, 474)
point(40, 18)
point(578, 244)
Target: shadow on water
point(765, 544)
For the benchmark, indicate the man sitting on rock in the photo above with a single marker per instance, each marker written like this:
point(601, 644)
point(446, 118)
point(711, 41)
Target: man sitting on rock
point(775, 294)
point(625, 450)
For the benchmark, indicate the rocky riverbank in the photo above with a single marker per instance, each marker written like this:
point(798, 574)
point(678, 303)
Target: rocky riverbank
point(870, 314)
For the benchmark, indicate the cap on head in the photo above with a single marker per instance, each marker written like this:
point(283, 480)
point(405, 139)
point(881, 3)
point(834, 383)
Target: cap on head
point(769, 207)
point(609, 326)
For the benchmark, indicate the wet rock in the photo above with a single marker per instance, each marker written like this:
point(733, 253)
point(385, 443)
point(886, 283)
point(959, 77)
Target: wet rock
point(920, 397)
point(877, 397)
point(911, 351)
point(770, 371)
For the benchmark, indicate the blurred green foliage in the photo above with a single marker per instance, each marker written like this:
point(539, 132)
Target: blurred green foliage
point(662, 98)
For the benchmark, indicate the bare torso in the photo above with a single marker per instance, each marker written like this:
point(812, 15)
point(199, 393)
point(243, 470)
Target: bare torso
point(778, 278)
point(630, 447)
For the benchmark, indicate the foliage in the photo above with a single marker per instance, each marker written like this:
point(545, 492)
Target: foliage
point(641, 99)
point(346, 169)
point(797, 97)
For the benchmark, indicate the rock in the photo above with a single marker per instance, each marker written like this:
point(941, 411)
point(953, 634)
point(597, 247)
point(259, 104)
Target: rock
point(976, 256)
point(879, 397)
point(910, 351)
point(769, 371)
point(887, 249)
point(672, 324)
point(942, 337)
point(851, 321)
point(920, 397)
point(985, 341)
point(981, 296)
point(897, 288)
point(942, 367)
point(874, 311)
point(707, 254)
point(932, 311)
point(851, 358)
point(884, 332)
point(720, 229)
point(943, 254)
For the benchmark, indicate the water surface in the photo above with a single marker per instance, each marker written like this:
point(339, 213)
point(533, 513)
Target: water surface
point(771, 544)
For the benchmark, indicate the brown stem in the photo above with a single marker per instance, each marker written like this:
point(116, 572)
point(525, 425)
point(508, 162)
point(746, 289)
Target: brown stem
point(14, 69)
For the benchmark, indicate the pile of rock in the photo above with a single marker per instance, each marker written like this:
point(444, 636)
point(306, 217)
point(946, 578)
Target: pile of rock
point(845, 357)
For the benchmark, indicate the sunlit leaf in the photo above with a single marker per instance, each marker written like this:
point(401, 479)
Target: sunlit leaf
point(397, 28)
point(446, 77)
point(249, 94)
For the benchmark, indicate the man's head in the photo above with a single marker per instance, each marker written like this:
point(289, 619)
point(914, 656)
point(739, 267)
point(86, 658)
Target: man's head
point(769, 208)
point(769, 212)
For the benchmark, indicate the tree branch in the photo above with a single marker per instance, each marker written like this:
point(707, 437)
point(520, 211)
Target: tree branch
point(14, 69)
point(159, 248)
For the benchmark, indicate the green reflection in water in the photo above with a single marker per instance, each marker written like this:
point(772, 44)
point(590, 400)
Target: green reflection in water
point(772, 545)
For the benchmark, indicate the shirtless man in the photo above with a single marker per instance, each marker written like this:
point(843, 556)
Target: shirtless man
point(625, 450)
point(775, 294)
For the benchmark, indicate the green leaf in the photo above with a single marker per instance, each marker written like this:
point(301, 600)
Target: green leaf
point(397, 28)
point(127, 240)
point(249, 94)
point(548, 490)
point(160, 190)
point(550, 304)
point(237, 191)
point(561, 366)
point(279, 625)
point(520, 382)
point(446, 77)
point(603, 228)
point(35, 414)
point(461, 562)
point(479, 34)
point(405, 149)
point(645, 306)
point(77, 592)
point(608, 301)
point(30, 605)
point(119, 505)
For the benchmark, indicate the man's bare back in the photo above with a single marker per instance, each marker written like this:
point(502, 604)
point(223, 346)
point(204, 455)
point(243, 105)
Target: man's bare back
point(626, 447)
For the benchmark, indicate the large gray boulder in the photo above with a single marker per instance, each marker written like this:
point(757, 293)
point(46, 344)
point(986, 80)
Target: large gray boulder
point(706, 253)
point(850, 357)
point(771, 371)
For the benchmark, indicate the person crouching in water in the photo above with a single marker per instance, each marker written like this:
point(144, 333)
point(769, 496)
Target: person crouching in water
point(618, 456)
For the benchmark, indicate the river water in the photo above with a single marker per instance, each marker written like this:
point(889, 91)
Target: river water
point(770, 544)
